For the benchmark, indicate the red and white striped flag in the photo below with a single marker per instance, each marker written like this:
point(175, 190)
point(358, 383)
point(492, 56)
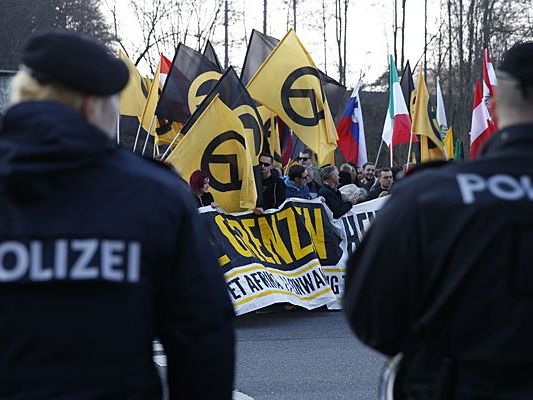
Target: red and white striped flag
point(489, 76)
point(482, 125)
point(489, 84)
point(166, 64)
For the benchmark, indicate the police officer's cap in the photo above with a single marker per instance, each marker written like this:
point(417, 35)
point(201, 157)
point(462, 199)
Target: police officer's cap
point(518, 62)
point(75, 61)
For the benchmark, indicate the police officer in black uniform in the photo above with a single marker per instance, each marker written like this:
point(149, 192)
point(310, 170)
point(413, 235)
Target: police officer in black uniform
point(101, 251)
point(445, 273)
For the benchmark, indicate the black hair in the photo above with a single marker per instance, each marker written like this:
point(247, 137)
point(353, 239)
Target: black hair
point(296, 171)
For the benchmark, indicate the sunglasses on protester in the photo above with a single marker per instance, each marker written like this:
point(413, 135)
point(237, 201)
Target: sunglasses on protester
point(264, 164)
point(303, 158)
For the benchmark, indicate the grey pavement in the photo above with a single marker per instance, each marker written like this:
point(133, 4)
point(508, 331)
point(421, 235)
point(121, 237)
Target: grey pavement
point(303, 355)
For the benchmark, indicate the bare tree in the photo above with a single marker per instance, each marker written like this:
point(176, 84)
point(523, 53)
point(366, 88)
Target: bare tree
point(324, 36)
point(265, 15)
point(22, 18)
point(163, 24)
point(402, 63)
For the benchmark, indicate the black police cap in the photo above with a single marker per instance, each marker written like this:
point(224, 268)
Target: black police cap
point(75, 61)
point(518, 62)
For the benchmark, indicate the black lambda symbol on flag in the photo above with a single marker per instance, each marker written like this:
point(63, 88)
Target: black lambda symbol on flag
point(250, 120)
point(200, 87)
point(287, 93)
point(231, 160)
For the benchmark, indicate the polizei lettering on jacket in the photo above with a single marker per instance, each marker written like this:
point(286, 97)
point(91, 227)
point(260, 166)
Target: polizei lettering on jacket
point(502, 186)
point(70, 259)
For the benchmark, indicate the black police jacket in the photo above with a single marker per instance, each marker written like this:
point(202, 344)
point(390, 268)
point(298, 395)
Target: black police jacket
point(101, 252)
point(445, 276)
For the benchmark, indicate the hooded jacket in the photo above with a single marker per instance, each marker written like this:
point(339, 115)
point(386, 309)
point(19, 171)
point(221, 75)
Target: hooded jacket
point(99, 255)
point(293, 190)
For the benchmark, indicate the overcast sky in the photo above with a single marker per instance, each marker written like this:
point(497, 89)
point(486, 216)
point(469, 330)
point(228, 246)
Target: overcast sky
point(369, 31)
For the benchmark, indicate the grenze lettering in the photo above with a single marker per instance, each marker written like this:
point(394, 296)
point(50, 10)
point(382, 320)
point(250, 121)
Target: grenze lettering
point(315, 227)
point(260, 238)
point(76, 260)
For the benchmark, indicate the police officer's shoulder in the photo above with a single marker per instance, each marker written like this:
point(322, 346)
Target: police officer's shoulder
point(424, 176)
point(151, 176)
point(417, 168)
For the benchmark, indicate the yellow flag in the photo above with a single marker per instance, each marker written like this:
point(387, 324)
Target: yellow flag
point(148, 119)
point(166, 132)
point(133, 97)
point(448, 143)
point(218, 145)
point(431, 147)
point(270, 127)
point(289, 84)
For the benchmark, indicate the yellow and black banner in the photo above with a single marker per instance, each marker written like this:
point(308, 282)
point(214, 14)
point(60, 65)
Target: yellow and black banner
point(424, 125)
point(295, 254)
point(288, 83)
point(191, 77)
point(270, 128)
point(218, 145)
point(133, 96)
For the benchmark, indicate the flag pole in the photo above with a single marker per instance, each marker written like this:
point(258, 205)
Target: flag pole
point(137, 136)
point(410, 146)
point(169, 147)
point(390, 148)
point(379, 152)
point(148, 134)
point(118, 128)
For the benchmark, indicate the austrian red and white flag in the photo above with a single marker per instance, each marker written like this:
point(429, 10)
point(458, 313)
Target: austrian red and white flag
point(482, 125)
point(489, 76)
point(397, 127)
point(166, 64)
point(489, 84)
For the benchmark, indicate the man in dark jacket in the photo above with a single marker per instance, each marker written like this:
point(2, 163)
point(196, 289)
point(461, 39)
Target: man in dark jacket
point(101, 252)
point(384, 185)
point(444, 275)
point(369, 176)
point(330, 192)
point(273, 187)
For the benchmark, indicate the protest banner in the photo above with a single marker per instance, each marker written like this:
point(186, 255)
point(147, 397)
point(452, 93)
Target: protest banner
point(294, 254)
point(352, 227)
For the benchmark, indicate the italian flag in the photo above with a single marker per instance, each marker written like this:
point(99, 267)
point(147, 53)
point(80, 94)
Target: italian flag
point(482, 125)
point(397, 128)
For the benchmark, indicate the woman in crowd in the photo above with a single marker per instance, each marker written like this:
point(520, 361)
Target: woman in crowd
point(199, 184)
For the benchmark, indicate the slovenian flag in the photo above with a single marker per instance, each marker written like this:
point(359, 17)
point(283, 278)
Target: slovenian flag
point(351, 131)
point(397, 127)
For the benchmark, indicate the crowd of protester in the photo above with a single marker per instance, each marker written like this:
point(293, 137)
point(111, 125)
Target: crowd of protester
point(339, 188)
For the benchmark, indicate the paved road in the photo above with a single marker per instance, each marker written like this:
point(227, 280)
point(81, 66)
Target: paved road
point(303, 355)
